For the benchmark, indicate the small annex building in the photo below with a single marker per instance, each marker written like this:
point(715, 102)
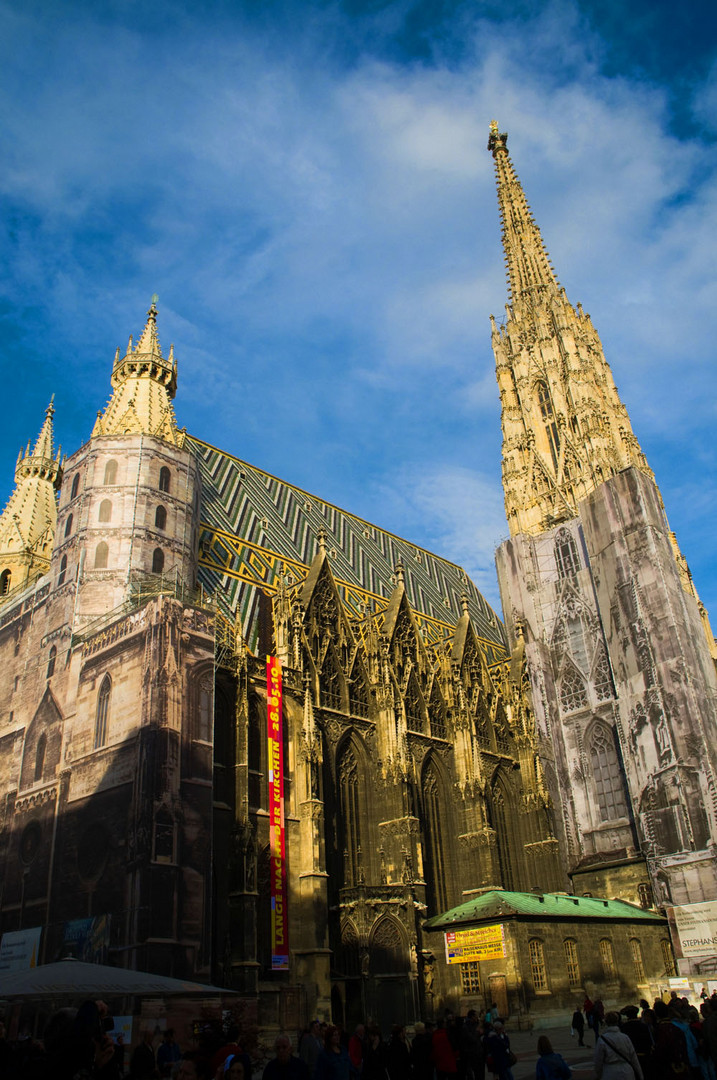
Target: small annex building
point(556, 948)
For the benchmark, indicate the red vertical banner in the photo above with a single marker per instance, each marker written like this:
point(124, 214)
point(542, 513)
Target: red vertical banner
point(277, 837)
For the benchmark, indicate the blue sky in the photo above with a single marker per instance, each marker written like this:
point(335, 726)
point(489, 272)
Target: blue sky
point(306, 187)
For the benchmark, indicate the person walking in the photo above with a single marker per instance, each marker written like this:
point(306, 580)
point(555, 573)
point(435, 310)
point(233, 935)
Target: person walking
point(550, 1065)
point(285, 1065)
point(497, 1046)
point(333, 1062)
point(640, 1035)
point(398, 1055)
point(444, 1056)
point(614, 1057)
point(578, 1025)
point(310, 1047)
point(472, 1065)
point(421, 1053)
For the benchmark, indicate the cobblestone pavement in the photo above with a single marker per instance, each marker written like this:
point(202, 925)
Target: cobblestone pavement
point(524, 1045)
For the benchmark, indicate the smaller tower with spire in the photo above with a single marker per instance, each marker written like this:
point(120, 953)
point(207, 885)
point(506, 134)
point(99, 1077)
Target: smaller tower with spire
point(129, 498)
point(28, 522)
point(144, 384)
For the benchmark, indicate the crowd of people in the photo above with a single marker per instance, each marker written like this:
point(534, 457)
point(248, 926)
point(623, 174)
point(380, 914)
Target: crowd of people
point(670, 1040)
point(666, 1041)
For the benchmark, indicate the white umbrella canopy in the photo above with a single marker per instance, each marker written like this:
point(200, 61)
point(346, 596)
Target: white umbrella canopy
point(73, 978)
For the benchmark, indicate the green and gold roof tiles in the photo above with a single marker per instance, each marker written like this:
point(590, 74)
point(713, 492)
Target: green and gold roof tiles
point(255, 527)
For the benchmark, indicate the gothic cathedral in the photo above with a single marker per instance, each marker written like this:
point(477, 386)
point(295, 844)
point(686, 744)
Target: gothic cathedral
point(430, 753)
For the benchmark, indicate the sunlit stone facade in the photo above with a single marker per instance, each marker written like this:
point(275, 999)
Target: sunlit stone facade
point(618, 646)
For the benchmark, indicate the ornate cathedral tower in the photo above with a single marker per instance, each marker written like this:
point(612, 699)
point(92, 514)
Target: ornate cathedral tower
point(27, 524)
point(617, 644)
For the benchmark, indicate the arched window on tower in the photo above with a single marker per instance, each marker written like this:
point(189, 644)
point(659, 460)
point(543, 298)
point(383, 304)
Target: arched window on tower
point(5, 581)
point(160, 517)
point(51, 659)
point(566, 554)
point(573, 694)
point(68, 526)
point(103, 712)
point(602, 678)
point(164, 478)
point(40, 756)
point(548, 416)
point(101, 553)
point(205, 709)
point(63, 571)
point(434, 857)
point(75, 486)
point(349, 832)
point(607, 771)
point(105, 510)
point(157, 561)
point(331, 682)
point(111, 472)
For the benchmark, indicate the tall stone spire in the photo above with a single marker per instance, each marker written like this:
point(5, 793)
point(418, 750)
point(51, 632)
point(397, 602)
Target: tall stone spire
point(143, 383)
point(530, 273)
point(565, 430)
point(28, 522)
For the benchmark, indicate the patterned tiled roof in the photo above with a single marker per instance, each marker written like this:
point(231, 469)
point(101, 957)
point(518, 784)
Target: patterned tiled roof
point(255, 526)
point(500, 904)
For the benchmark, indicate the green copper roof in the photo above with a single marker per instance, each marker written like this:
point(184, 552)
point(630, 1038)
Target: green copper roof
point(497, 904)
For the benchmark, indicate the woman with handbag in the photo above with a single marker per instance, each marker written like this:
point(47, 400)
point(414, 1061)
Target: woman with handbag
point(615, 1057)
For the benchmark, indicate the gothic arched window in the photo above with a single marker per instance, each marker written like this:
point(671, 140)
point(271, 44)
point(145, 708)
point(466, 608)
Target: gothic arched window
point(644, 894)
point(349, 833)
point(433, 825)
point(536, 951)
point(68, 526)
point(566, 554)
point(387, 947)
point(157, 561)
point(63, 570)
point(160, 517)
point(609, 784)
point(5, 579)
point(103, 712)
point(548, 416)
point(573, 694)
point(414, 706)
point(51, 662)
point(75, 486)
point(164, 478)
point(40, 756)
point(500, 802)
point(602, 679)
point(205, 709)
point(637, 959)
point(331, 682)
point(110, 472)
point(105, 510)
point(607, 956)
point(358, 694)
point(570, 947)
point(101, 553)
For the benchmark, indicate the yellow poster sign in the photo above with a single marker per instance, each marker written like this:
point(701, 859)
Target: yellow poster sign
point(480, 943)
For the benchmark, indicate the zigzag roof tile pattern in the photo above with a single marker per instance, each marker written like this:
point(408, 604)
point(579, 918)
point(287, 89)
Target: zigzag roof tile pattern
point(254, 527)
